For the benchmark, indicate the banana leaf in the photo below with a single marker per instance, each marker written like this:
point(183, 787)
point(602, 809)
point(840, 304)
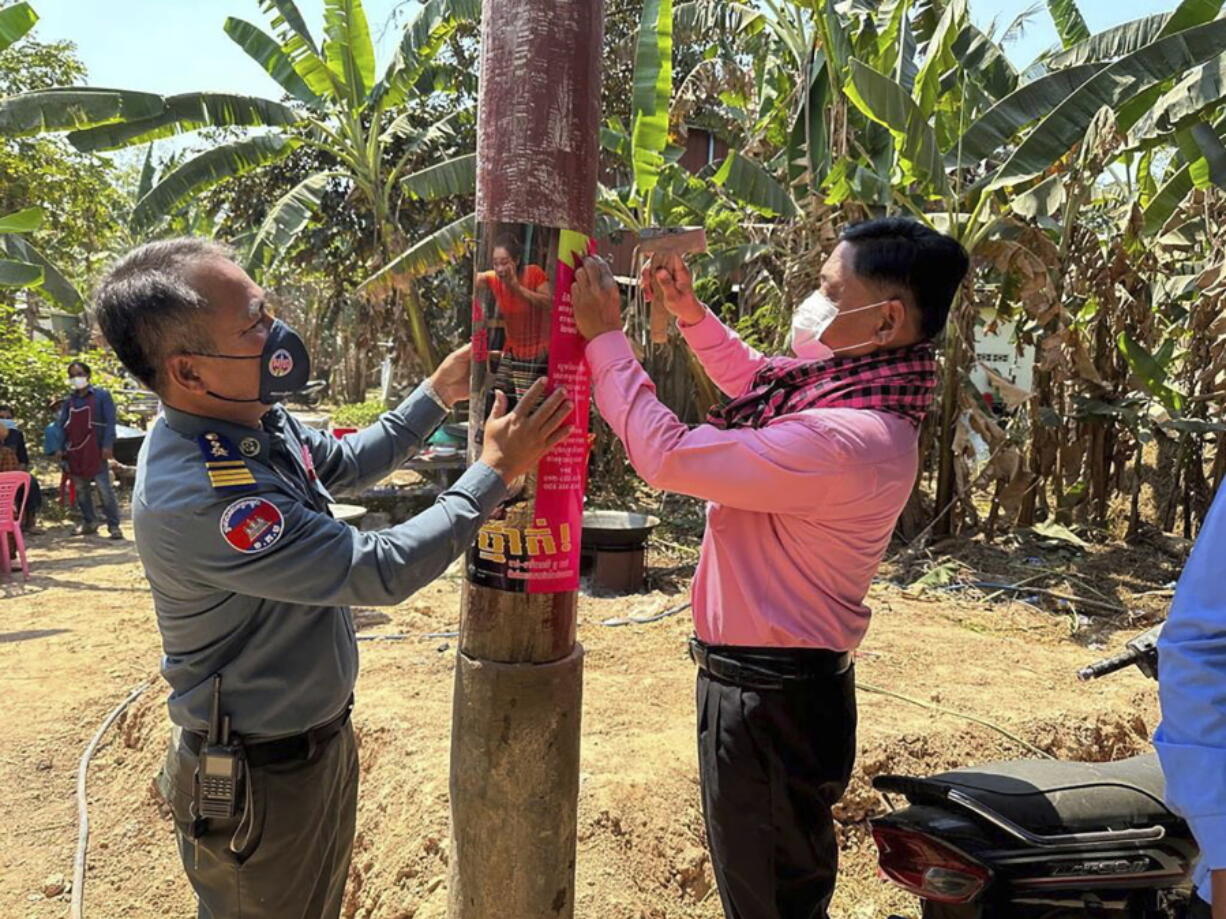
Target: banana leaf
point(447, 179)
point(206, 170)
point(1113, 43)
point(265, 51)
point(15, 21)
point(1210, 167)
point(19, 274)
point(749, 184)
point(184, 113)
point(53, 284)
point(298, 45)
point(348, 49)
point(26, 220)
point(73, 107)
point(888, 104)
point(440, 248)
point(1203, 88)
point(1164, 59)
point(653, 77)
point(1070, 24)
point(434, 23)
point(287, 218)
point(1191, 13)
point(1150, 373)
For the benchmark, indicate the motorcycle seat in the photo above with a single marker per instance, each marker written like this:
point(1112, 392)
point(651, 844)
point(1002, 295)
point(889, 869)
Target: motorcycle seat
point(1050, 797)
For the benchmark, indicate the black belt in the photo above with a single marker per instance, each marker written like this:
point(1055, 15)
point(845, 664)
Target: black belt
point(768, 668)
point(283, 749)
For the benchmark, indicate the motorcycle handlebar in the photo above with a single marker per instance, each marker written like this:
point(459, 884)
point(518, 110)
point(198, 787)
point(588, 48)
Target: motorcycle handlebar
point(1107, 665)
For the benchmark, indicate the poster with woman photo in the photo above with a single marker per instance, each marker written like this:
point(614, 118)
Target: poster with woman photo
point(523, 329)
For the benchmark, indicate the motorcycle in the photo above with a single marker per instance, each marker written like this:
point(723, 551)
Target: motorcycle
point(310, 395)
point(1042, 839)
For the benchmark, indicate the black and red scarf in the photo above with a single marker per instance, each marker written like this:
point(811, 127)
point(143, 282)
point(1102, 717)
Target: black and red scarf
point(902, 382)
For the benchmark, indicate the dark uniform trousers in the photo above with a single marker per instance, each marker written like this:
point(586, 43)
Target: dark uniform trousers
point(775, 755)
point(288, 856)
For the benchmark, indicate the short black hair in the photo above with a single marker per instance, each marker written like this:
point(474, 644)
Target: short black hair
point(147, 309)
point(899, 250)
point(84, 366)
point(6, 408)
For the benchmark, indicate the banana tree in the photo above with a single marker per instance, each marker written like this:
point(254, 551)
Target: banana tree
point(26, 267)
point(335, 103)
point(960, 158)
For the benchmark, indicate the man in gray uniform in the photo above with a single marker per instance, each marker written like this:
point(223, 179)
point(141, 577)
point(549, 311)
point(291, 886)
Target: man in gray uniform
point(252, 577)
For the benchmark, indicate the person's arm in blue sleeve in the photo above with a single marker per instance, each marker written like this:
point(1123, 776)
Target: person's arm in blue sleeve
point(106, 411)
point(1191, 740)
point(321, 561)
point(360, 459)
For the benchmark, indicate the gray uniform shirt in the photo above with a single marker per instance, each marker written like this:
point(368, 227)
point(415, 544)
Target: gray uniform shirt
point(252, 577)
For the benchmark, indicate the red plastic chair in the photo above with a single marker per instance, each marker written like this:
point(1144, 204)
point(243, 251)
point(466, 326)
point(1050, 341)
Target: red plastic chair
point(12, 510)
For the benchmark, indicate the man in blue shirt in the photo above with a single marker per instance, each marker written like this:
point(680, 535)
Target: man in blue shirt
point(1191, 740)
point(88, 421)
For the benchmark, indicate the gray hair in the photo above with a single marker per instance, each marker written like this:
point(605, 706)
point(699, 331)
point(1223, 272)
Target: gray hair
point(148, 311)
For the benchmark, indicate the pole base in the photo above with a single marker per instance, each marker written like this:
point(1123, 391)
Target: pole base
point(514, 788)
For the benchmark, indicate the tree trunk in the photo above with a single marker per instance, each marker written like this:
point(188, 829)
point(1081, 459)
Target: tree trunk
point(515, 730)
point(947, 479)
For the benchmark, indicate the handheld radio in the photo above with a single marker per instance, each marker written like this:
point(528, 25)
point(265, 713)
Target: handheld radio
point(220, 767)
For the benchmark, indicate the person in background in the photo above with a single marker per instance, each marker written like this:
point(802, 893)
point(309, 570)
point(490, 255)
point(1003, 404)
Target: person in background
point(807, 469)
point(1191, 740)
point(14, 456)
point(88, 420)
point(53, 434)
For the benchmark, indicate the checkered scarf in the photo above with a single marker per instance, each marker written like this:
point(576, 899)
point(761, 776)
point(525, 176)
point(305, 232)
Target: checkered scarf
point(901, 382)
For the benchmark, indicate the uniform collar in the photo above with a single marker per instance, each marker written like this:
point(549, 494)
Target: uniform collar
point(252, 443)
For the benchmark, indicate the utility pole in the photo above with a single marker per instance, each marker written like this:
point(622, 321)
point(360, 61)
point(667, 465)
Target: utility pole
point(519, 672)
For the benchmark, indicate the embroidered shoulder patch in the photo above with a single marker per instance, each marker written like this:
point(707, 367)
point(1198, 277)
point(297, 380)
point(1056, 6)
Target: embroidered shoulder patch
point(252, 524)
point(227, 470)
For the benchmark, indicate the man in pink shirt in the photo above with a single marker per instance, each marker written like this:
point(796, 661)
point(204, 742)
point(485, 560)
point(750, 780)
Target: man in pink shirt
point(806, 470)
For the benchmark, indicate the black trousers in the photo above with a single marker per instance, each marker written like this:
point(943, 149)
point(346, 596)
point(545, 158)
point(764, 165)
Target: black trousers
point(290, 858)
point(772, 763)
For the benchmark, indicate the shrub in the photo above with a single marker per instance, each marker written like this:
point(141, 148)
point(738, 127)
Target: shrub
point(359, 414)
point(32, 373)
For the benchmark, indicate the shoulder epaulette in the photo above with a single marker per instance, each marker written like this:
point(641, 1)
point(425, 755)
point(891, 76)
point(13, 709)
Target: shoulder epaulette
point(226, 468)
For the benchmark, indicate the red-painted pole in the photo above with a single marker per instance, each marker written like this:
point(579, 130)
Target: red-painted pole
point(518, 690)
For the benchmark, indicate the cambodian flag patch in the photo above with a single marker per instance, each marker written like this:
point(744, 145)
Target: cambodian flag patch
point(252, 524)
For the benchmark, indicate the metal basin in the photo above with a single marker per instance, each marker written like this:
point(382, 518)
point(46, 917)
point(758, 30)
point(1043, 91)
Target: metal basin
point(609, 529)
point(127, 443)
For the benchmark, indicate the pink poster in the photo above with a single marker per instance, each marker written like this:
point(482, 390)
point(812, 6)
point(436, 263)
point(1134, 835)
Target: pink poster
point(523, 328)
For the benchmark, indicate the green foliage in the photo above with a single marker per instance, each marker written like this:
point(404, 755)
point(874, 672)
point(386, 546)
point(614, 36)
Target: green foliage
point(33, 373)
point(358, 415)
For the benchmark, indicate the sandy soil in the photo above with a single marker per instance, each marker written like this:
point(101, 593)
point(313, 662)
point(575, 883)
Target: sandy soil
point(80, 634)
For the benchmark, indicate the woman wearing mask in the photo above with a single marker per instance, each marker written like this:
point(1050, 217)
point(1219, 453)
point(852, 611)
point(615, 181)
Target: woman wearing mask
point(15, 457)
point(88, 420)
point(807, 469)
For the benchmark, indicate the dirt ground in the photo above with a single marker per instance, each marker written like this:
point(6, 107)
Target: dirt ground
point(80, 635)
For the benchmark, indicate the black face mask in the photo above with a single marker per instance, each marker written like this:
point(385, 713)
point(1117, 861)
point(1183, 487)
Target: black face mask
point(285, 365)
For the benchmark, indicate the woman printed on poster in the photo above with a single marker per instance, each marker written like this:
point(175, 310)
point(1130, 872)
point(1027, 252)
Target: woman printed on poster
point(523, 298)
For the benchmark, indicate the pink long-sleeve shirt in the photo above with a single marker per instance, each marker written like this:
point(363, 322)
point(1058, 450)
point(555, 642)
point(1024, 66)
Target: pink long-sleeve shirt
point(800, 511)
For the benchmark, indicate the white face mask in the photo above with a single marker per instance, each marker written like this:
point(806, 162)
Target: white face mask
point(810, 321)
point(78, 382)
